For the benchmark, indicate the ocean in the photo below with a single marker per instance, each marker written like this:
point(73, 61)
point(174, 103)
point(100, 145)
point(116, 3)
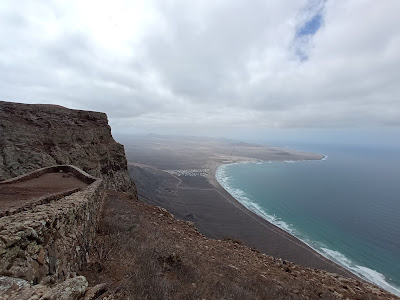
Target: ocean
point(346, 207)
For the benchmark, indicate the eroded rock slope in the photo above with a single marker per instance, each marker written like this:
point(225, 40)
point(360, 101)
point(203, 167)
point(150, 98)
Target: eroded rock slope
point(33, 136)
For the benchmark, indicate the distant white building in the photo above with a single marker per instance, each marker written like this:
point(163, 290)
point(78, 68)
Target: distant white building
point(189, 172)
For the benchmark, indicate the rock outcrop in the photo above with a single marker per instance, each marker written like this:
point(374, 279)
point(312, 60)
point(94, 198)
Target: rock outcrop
point(34, 136)
point(50, 242)
point(19, 289)
point(125, 249)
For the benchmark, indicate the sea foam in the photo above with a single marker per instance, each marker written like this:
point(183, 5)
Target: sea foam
point(244, 199)
point(364, 272)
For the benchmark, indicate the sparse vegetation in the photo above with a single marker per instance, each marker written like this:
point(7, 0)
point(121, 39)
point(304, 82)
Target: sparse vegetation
point(142, 252)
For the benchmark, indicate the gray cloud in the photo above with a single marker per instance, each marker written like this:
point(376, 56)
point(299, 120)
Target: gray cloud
point(201, 66)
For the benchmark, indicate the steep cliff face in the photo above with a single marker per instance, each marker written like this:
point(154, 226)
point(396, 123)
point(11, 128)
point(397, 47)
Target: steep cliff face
point(33, 136)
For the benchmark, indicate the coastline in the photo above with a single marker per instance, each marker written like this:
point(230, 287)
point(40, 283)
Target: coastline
point(320, 260)
point(204, 202)
point(314, 252)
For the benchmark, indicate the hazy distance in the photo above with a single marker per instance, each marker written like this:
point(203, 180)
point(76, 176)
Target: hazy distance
point(259, 70)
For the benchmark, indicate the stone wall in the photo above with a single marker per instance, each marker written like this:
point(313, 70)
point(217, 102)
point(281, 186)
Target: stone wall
point(50, 242)
point(85, 177)
point(34, 136)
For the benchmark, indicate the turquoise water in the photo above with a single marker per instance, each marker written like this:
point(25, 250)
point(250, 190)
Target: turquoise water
point(347, 207)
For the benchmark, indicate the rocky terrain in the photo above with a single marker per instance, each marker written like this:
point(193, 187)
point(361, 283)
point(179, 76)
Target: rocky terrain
point(103, 243)
point(45, 244)
point(143, 252)
point(37, 136)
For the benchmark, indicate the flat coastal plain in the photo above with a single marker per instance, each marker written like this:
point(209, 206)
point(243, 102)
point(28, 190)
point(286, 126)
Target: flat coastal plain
point(178, 174)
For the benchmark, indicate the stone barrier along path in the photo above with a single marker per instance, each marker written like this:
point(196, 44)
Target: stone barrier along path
point(50, 242)
point(28, 191)
point(82, 175)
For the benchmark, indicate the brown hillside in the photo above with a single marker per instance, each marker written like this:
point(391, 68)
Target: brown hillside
point(143, 252)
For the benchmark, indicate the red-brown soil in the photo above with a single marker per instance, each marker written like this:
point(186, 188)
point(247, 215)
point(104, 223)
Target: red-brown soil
point(19, 194)
point(143, 252)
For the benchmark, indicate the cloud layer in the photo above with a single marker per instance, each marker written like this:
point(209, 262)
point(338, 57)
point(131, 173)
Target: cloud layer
point(179, 66)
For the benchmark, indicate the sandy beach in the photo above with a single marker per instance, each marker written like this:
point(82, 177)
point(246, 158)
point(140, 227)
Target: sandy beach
point(216, 214)
point(270, 239)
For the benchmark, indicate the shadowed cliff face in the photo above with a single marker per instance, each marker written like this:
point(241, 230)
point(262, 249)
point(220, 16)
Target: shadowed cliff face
point(36, 136)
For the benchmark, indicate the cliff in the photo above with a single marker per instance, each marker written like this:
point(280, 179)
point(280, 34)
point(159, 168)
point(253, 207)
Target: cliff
point(47, 242)
point(124, 248)
point(34, 136)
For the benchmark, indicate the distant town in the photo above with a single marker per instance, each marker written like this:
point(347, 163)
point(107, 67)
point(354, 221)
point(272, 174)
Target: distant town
point(189, 172)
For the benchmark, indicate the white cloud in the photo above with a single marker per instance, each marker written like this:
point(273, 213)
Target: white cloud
point(168, 65)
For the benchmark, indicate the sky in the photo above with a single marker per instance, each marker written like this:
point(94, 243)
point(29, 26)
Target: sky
point(225, 67)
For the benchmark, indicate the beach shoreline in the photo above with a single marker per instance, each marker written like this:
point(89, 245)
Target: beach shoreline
point(203, 201)
point(179, 174)
point(212, 178)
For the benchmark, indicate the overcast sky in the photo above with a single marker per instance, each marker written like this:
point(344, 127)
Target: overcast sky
point(207, 66)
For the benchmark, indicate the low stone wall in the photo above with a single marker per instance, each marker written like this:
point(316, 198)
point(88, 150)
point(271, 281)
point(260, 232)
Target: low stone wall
point(38, 201)
point(50, 242)
point(35, 136)
point(82, 175)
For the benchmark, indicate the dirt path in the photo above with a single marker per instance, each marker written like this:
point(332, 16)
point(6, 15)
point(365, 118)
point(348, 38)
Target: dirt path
point(15, 195)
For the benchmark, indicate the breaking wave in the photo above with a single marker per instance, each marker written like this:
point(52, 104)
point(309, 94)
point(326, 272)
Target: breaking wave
point(364, 272)
point(361, 271)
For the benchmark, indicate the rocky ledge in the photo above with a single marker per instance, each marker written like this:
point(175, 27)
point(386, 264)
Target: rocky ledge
point(124, 248)
point(34, 136)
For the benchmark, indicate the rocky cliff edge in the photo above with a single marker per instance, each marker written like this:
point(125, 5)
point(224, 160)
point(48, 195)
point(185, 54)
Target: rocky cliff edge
point(34, 136)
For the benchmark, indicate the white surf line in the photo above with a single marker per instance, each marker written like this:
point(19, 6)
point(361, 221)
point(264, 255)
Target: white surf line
point(281, 232)
point(292, 238)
